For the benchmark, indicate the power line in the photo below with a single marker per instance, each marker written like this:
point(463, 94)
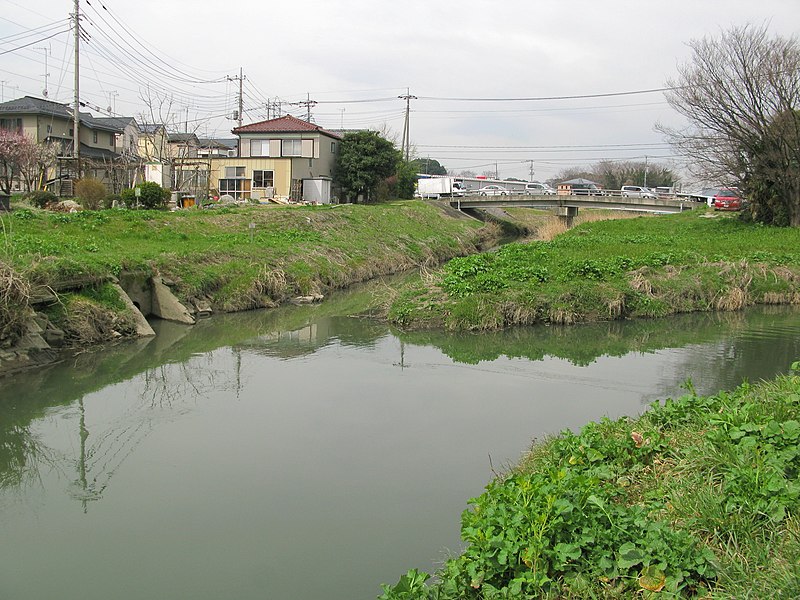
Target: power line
point(185, 77)
point(541, 98)
point(480, 147)
point(34, 42)
point(30, 32)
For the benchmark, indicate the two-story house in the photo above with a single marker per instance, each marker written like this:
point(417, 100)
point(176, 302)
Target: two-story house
point(283, 158)
point(45, 121)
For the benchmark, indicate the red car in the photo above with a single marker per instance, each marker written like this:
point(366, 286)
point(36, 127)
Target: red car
point(727, 199)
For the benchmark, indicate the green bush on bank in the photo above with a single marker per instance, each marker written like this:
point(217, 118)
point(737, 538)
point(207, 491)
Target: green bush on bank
point(696, 498)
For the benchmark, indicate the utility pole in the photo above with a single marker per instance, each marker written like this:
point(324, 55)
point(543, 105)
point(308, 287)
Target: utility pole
point(240, 79)
point(308, 103)
point(46, 74)
point(530, 161)
point(645, 171)
point(406, 132)
point(3, 90)
point(496, 173)
point(76, 118)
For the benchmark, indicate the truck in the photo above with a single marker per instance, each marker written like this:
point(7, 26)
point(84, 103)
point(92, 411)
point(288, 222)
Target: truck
point(436, 187)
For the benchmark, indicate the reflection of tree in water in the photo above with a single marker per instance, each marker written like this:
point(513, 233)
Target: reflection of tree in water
point(583, 344)
point(165, 393)
point(22, 455)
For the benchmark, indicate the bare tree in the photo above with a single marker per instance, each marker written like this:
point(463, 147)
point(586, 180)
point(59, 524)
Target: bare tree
point(37, 160)
point(741, 93)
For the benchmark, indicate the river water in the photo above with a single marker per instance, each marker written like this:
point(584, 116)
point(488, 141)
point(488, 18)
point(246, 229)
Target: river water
point(304, 454)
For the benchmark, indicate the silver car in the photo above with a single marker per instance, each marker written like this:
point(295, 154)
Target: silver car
point(637, 191)
point(539, 188)
point(493, 190)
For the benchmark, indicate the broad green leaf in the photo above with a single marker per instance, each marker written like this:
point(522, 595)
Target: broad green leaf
point(629, 556)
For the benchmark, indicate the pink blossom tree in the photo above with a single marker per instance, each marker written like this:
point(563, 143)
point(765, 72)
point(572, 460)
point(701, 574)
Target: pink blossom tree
point(14, 147)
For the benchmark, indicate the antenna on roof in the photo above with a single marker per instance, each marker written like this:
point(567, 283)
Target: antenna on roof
point(46, 74)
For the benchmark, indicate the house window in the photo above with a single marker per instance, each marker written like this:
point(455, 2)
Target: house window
point(259, 147)
point(333, 147)
point(94, 137)
point(11, 124)
point(111, 139)
point(238, 188)
point(231, 172)
point(292, 148)
point(263, 179)
point(49, 129)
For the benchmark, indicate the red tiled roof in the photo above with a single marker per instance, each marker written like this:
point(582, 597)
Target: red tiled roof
point(287, 124)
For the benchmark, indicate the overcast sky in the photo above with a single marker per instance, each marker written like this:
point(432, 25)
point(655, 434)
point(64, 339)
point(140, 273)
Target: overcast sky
point(355, 57)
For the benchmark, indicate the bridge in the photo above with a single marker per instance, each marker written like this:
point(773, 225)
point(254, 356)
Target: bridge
point(567, 205)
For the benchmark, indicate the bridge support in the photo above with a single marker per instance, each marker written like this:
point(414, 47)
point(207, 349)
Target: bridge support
point(567, 214)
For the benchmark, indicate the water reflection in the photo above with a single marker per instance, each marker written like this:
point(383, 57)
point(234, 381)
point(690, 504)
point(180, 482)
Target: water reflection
point(175, 369)
point(325, 432)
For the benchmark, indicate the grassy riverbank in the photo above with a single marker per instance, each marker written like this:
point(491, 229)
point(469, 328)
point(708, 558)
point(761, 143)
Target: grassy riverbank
point(217, 257)
point(642, 267)
point(696, 498)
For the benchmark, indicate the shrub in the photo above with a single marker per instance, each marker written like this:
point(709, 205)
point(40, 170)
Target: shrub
point(152, 196)
point(128, 197)
point(42, 197)
point(91, 193)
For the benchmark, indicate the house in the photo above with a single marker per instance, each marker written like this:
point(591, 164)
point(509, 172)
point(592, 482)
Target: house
point(578, 185)
point(189, 171)
point(285, 158)
point(218, 148)
point(127, 146)
point(46, 121)
point(153, 142)
point(182, 145)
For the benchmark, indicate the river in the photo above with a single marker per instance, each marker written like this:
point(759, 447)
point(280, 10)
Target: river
point(304, 454)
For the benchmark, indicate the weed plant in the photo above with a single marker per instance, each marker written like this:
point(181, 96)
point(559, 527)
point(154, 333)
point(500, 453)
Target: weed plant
point(696, 498)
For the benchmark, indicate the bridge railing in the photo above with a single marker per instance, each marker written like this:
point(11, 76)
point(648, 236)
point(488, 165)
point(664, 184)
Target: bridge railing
point(578, 192)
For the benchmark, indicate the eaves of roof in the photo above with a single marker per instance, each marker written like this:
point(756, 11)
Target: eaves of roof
point(285, 124)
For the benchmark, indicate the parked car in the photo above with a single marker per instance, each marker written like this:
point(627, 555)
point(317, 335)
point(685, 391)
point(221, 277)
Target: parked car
point(637, 191)
point(539, 188)
point(728, 199)
point(493, 190)
point(710, 195)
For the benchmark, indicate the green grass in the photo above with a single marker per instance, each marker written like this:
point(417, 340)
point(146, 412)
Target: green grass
point(696, 498)
point(643, 267)
point(210, 254)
